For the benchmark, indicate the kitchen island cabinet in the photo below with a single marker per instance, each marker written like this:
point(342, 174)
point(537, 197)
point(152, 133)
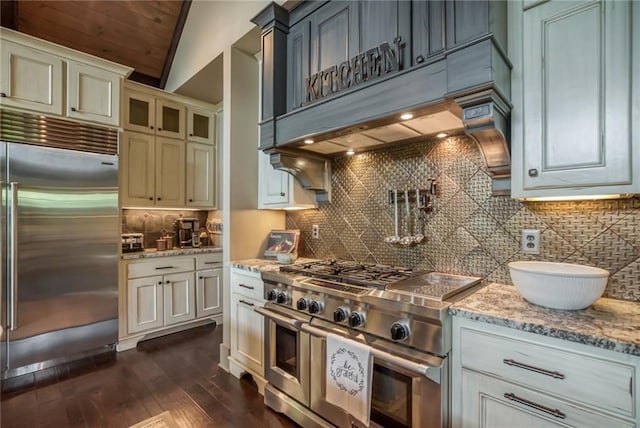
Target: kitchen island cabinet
point(165, 294)
point(576, 98)
point(567, 368)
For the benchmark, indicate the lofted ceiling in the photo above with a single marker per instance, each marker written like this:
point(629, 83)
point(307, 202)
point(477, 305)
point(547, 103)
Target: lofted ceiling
point(140, 34)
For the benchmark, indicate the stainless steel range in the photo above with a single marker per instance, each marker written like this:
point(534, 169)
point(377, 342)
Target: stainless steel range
point(400, 314)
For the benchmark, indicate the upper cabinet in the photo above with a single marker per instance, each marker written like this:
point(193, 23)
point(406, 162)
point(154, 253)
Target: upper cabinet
point(147, 113)
point(279, 190)
point(161, 164)
point(47, 78)
point(576, 98)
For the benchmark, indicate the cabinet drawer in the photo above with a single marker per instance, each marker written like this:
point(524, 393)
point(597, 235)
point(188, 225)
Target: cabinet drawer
point(161, 266)
point(597, 382)
point(247, 285)
point(208, 261)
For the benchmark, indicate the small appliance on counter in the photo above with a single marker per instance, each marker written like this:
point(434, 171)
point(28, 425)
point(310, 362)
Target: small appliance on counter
point(132, 242)
point(187, 232)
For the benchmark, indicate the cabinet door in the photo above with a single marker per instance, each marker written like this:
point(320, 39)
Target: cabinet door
point(334, 34)
point(139, 112)
point(30, 79)
point(170, 172)
point(200, 124)
point(179, 298)
point(273, 184)
point(577, 86)
point(209, 292)
point(428, 29)
point(493, 403)
point(93, 94)
point(247, 333)
point(144, 303)
point(137, 169)
point(200, 171)
point(170, 119)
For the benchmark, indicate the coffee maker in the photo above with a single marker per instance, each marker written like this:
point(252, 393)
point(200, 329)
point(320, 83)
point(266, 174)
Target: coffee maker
point(187, 230)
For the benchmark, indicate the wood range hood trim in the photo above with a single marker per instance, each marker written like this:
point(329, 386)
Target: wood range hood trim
point(471, 81)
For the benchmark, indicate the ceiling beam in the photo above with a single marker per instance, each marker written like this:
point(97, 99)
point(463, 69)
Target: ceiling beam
point(9, 14)
point(182, 18)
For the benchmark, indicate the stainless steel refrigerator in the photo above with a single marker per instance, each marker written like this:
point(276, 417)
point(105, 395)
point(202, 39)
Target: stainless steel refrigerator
point(59, 241)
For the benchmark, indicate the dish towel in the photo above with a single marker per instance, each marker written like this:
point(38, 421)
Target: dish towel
point(348, 377)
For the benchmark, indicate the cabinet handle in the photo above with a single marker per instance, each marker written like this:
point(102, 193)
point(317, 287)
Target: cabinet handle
point(533, 172)
point(246, 303)
point(3, 95)
point(213, 263)
point(419, 59)
point(513, 363)
point(73, 109)
point(246, 286)
point(548, 410)
point(164, 267)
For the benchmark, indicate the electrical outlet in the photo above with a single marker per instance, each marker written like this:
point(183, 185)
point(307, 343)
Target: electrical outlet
point(315, 231)
point(531, 241)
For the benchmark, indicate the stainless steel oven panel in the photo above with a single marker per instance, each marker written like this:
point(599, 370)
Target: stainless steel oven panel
point(295, 385)
point(429, 398)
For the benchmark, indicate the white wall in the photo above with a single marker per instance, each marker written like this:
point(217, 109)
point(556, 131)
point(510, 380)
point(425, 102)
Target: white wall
point(211, 27)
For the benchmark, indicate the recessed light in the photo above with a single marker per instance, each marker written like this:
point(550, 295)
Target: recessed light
point(350, 152)
point(308, 141)
point(442, 135)
point(406, 116)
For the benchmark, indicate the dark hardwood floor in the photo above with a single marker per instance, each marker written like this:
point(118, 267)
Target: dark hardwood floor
point(178, 373)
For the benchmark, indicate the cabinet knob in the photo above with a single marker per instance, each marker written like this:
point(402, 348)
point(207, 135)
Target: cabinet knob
point(150, 127)
point(201, 277)
point(281, 193)
point(151, 198)
point(533, 172)
point(159, 199)
point(159, 282)
point(190, 200)
point(190, 135)
point(3, 95)
point(159, 129)
point(73, 109)
point(419, 59)
point(167, 282)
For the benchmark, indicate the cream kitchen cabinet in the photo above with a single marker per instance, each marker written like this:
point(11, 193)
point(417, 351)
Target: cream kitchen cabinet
point(507, 378)
point(168, 293)
point(148, 113)
point(34, 75)
point(247, 326)
point(576, 97)
point(208, 286)
point(280, 190)
point(152, 171)
point(200, 125)
point(200, 175)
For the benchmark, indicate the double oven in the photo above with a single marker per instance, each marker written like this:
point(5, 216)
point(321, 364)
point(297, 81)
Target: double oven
point(406, 335)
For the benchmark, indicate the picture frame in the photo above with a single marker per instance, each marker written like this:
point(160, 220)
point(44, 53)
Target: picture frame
point(282, 241)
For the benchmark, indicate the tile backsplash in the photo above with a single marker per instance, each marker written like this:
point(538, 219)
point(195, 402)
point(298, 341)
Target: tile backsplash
point(469, 231)
point(153, 222)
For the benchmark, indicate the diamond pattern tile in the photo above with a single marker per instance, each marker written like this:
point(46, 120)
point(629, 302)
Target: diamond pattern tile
point(469, 231)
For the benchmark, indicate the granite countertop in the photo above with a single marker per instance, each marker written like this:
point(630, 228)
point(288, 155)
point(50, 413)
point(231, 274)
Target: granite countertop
point(152, 252)
point(263, 265)
point(608, 323)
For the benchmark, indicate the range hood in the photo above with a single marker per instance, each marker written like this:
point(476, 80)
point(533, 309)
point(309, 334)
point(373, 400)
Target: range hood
point(462, 90)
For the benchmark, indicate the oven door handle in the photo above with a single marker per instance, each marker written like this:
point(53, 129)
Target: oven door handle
point(279, 318)
point(431, 372)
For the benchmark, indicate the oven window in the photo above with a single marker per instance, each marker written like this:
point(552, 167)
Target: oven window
point(286, 350)
point(391, 397)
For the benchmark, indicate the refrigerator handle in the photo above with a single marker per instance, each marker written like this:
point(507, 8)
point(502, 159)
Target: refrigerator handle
point(13, 249)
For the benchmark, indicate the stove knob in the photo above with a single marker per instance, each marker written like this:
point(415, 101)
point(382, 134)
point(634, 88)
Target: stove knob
point(302, 304)
point(340, 314)
point(316, 307)
point(399, 331)
point(282, 297)
point(356, 319)
point(272, 295)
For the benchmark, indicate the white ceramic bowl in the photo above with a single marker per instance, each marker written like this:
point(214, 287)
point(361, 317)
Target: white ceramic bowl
point(558, 285)
point(286, 258)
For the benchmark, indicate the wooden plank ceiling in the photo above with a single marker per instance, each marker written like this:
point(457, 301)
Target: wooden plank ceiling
point(140, 34)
